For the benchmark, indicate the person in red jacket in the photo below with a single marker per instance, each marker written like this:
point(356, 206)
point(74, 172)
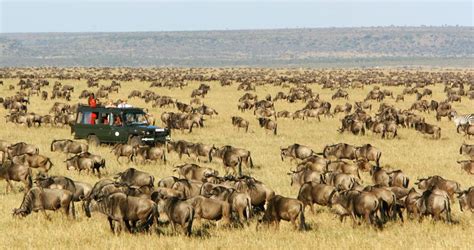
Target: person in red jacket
point(92, 101)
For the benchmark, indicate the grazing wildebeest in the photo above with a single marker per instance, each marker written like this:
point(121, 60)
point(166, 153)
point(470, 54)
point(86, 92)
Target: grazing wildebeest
point(388, 202)
point(240, 203)
point(69, 146)
point(201, 150)
point(167, 182)
point(268, 124)
point(123, 150)
point(339, 180)
point(176, 211)
point(343, 167)
point(231, 157)
point(194, 172)
point(312, 192)
point(340, 151)
point(369, 153)
point(82, 162)
point(284, 208)
point(240, 122)
point(210, 209)
point(188, 188)
point(34, 161)
point(123, 209)
point(56, 182)
point(304, 175)
point(16, 172)
point(41, 199)
point(434, 202)
point(467, 149)
point(355, 204)
point(466, 200)
point(134, 177)
point(296, 151)
point(449, 186)
point(259, 192)
point(380, 176)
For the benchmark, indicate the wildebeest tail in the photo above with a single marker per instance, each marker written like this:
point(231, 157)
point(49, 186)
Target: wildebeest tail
point(164, 156)
point(209, 155)
point(29, 179)
point(275, 129)
point(302, 220)
point(448, 210)
point(73, 209)
point(152, 181)
point(379, 154)
point(251, 161)
point(247, 128)
point(189, 227)
point(240, 166)
point(405, 182)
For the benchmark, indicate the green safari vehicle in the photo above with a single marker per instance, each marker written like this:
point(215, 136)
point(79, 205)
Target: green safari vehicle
point(116, 125)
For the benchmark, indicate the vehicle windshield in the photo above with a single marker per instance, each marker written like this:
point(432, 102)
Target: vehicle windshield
point(135, 118)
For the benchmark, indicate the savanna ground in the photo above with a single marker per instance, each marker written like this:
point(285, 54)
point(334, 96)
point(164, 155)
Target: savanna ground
point(416, 154)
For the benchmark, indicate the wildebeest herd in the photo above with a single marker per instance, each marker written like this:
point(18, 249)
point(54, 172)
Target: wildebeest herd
point(220, 180)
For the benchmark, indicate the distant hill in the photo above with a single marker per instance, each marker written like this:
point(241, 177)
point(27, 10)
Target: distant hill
point(321, 47)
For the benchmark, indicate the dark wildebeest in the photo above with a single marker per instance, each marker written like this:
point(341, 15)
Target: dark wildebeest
point(69, 146)
point(210, 209)
point(147, 153)
point(176, 211)
point(296, 151)
point(268, 124)
point(84, 162)
point(240, 203)
point(340, 151)
point(369, 153)
point(356, 204)
point(259, 192)
point(467, 166)
point(123, 150)
point(284, 208)
point(388, 202)
point(134, 177)
point(16, 172)
point(467, 149)
point(200, 149)
point(41, 199)
point(312, 192)
point(240, 122)
point(34, 161)
point(466, 200)
point(434, 202)
point(57, 182)
point(450, 187)
point(195, 172)
point(124, 209)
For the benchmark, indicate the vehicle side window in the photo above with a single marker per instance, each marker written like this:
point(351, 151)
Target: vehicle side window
point(103, 119)
point(80, 116)
point(86, 118)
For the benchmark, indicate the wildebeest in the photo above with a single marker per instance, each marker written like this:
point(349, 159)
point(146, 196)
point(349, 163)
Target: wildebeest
point(201, 150)
point(123, 209)
point(210, 209)
point(284, 208)
point(259, 193)
point(357, 203)
point(468, 130)
point(82, 162)
point(147, 153)
point(34, 161)
point(449, 186)
point(240, 202)
point(434, 202)
point(304, 175)
point(339, 180)
point(369, 153)
point(21, 148)
point(134, 177)
point(466, 199)
point(188, 188)
point(68, 146)
point(181, 147)
point(123, 150)
point(240, 122)
point(10, 171)
point(340, 151)
point(467, 149)
point(232, 157)
point(268, 124)
point(467, 166)
point(426, 128)
point(296, 151)
point(380, 176)
point(312, 192)
point(398, 179)
point(195, 172)
point(176, 211)
point(41, 199)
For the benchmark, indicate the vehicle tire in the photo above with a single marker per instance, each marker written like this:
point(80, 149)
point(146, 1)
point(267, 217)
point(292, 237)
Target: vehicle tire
point(135, 140)
point(93, 140)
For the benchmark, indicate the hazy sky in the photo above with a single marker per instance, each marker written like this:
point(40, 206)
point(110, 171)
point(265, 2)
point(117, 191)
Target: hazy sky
point(128, 15)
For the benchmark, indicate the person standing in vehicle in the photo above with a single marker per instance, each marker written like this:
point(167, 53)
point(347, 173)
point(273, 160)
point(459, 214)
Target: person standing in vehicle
point(92, 101)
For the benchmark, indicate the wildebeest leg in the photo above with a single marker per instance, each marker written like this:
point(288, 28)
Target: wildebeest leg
point(111, 224)
point(43, 211)
point(9, 185)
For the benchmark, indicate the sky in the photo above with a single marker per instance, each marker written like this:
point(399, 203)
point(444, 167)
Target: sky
point(147, 15)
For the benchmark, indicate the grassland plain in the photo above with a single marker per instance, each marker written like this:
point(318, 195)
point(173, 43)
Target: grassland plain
point(417, 155)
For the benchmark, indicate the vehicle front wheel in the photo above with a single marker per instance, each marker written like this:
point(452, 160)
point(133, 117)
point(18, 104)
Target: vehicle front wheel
point(93, 140)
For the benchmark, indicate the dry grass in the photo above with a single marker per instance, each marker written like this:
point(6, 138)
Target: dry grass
point(416, 154)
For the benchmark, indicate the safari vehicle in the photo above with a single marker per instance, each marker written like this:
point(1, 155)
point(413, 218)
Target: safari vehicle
point(116, 125)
